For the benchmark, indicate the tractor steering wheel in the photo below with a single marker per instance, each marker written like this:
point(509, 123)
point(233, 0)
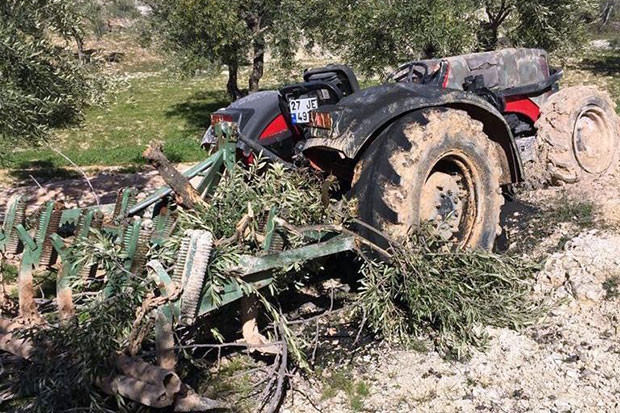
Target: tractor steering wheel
point(408, 72)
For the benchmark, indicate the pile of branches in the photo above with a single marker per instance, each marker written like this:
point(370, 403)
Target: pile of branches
point(431, 289)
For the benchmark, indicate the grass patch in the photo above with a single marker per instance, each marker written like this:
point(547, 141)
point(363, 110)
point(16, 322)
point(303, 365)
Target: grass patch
point(233, 382)
point(160, 106)
point(8, 273)
point(612, 287)
point(568, 210)
point(354, 390)
point(596, 67)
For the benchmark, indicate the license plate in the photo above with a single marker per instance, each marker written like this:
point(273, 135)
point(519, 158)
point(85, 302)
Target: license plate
point(300, 109)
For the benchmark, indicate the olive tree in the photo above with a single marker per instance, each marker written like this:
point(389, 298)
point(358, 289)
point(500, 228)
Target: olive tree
point(548, 24)
point(223, 32)
point(374, 34)
point(42, 85)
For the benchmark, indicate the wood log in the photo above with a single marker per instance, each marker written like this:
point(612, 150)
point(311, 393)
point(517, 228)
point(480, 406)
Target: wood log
point(138, 369)
point(18, 346)
point(137, 390)
point(190, 401)
point(164, 341)
point(185, 194)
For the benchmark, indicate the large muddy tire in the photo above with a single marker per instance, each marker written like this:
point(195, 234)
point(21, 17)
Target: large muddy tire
point(435, 165)
point(577, 135)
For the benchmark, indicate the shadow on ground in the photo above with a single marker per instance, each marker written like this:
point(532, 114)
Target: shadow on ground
point(515, 218)
point(198, 108)
point(71, 186)
point(41, 172)
point(607, 65)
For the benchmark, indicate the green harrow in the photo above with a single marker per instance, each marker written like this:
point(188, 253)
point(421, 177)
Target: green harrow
point(46, 244)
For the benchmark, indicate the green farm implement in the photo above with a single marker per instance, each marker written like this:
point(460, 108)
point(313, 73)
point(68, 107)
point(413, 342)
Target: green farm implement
point(44, 242)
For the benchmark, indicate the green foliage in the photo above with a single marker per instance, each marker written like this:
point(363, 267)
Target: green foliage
point(207, 32)
point(430, 288)
point(373, 35)
point(8, 272)
point(253, 191)
point(206, 29)
point(41, 85)
point(70, 357)
point(554, 25)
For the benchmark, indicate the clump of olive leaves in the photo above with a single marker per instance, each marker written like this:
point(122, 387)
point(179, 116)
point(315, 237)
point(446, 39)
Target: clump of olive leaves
point(427, 288)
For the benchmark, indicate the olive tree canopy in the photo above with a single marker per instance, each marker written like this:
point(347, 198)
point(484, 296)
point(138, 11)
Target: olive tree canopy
point(42, 84)
point(228, 32)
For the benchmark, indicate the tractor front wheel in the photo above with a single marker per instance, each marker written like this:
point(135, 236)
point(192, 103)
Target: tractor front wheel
point(434, 166)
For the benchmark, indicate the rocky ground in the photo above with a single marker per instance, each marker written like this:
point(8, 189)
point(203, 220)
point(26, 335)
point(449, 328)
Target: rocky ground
point(567, 362)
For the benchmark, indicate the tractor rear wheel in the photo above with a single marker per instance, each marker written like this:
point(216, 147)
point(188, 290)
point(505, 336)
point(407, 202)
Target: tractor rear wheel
point(578, 135)
point(436, 166)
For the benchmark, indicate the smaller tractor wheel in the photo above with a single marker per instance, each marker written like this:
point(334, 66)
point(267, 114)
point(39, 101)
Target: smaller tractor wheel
point(578, 135)
point(435, 166)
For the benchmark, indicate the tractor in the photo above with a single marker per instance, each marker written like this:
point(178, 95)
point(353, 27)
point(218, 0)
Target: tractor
point(441, 141)
point(439, 144)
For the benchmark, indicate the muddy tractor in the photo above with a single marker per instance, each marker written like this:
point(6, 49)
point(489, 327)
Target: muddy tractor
point(441, 141)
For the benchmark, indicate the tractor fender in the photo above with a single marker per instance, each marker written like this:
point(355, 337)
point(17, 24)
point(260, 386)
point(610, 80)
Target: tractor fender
point(359, 118)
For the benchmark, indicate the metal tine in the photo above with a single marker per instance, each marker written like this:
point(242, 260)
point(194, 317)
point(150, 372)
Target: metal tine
point(14, 215)
point(138, 260)
point(194, 272)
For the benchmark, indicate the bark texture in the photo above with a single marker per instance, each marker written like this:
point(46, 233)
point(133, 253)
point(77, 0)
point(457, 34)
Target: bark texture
point(185, 194)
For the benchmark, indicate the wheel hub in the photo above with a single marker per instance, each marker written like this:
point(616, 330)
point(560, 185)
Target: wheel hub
point(593, 141)
point(444, 199)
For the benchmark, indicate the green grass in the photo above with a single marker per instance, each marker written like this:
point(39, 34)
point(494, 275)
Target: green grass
point(8, 273)
point(612, 287)
point(596, 67)
point(355, 390)
point(158, 106)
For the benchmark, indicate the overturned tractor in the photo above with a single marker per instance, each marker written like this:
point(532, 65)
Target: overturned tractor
point(440, 143)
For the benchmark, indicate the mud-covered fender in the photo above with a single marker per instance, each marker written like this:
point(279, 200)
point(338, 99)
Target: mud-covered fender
point(359, 118)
